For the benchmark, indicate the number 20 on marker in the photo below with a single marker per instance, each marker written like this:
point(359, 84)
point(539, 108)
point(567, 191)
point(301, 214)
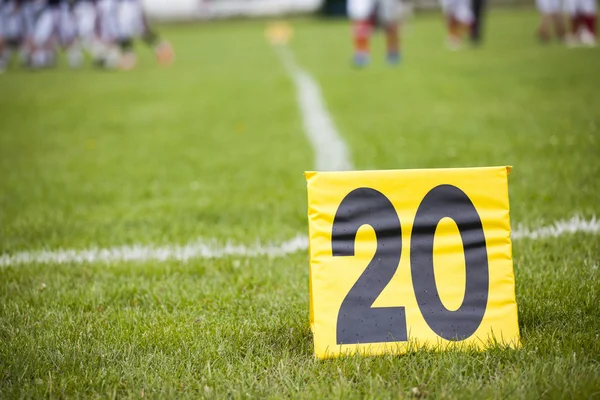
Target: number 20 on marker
point(410, 257)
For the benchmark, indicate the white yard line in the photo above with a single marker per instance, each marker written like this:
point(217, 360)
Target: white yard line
point(141, 252)
point(331, 152)
point(211, 249)
point(559, 228)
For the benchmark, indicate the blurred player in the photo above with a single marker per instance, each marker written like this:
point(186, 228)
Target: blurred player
point(55, 27)
point(17, 22)
point(85, 15)
point(97, 30)
point(366, 15)
point(459, 17)
point(551, 19)
point(133, 24)
point(106, 51)
point(582, 15)
point(12, 29)
point(31, 10)
point(3, 52)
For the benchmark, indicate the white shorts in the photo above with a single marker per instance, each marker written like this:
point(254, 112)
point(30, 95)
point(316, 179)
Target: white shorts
point(85, 20)
point(12, 23)
point(108, 20)
point(587, 7)
point(131, 19)
point(3, 7)
point(55, 22)
point(548, 6)
point(458, 9)
point(31, 10)
point(386, 11)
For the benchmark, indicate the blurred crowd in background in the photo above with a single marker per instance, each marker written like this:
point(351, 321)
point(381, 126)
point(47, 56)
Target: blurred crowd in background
point(36, 30)
point(464, 19)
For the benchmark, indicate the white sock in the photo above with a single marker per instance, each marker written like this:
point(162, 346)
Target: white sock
point(40, 59)
point(112, 57)
point(74, 56)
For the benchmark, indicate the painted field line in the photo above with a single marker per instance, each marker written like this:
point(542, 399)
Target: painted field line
point(211, 249)
point(561, 227)
point(139, 253)
point(331, 152)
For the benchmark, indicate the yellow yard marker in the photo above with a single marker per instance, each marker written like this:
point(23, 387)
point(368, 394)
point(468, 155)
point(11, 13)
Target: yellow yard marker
point(419, 258)
point(279, 33)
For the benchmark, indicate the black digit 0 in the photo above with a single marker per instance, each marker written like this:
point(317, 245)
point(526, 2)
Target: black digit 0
point(357, 321)
point(449, 201)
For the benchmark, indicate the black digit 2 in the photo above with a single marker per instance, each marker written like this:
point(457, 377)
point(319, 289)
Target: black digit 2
point(357, 321)
point(449, 201)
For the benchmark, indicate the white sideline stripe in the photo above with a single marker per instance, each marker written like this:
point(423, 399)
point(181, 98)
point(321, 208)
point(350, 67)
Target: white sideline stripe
point(331, 152)
point(561, 227)
point(139, 252)
point(211, 249)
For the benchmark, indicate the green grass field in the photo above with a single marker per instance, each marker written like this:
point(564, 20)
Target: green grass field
point(214, 148)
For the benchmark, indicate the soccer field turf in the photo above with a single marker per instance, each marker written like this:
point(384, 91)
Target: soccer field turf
point(214, 149)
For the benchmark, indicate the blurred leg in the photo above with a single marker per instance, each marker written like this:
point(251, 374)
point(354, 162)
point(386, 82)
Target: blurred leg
point(42, 39)
point(149, 36)
point(105, 51)
point(551, 18)
point(163, 50)
point(544, 8)
point(392, 39)
point(588, 33)
point(108, 20)
point(464, 16)
point(360, 12)
point(559, 25)
point(543, 32)
point(68, 38)
point(452, 26)
point(3, 56)
point(389, 15)
point(30, 11)
point(128, 57)
point(85, 19)
point(362, 33)
point(459, 18)
point(128, 29)
point(588, 17)
point(477, 25)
